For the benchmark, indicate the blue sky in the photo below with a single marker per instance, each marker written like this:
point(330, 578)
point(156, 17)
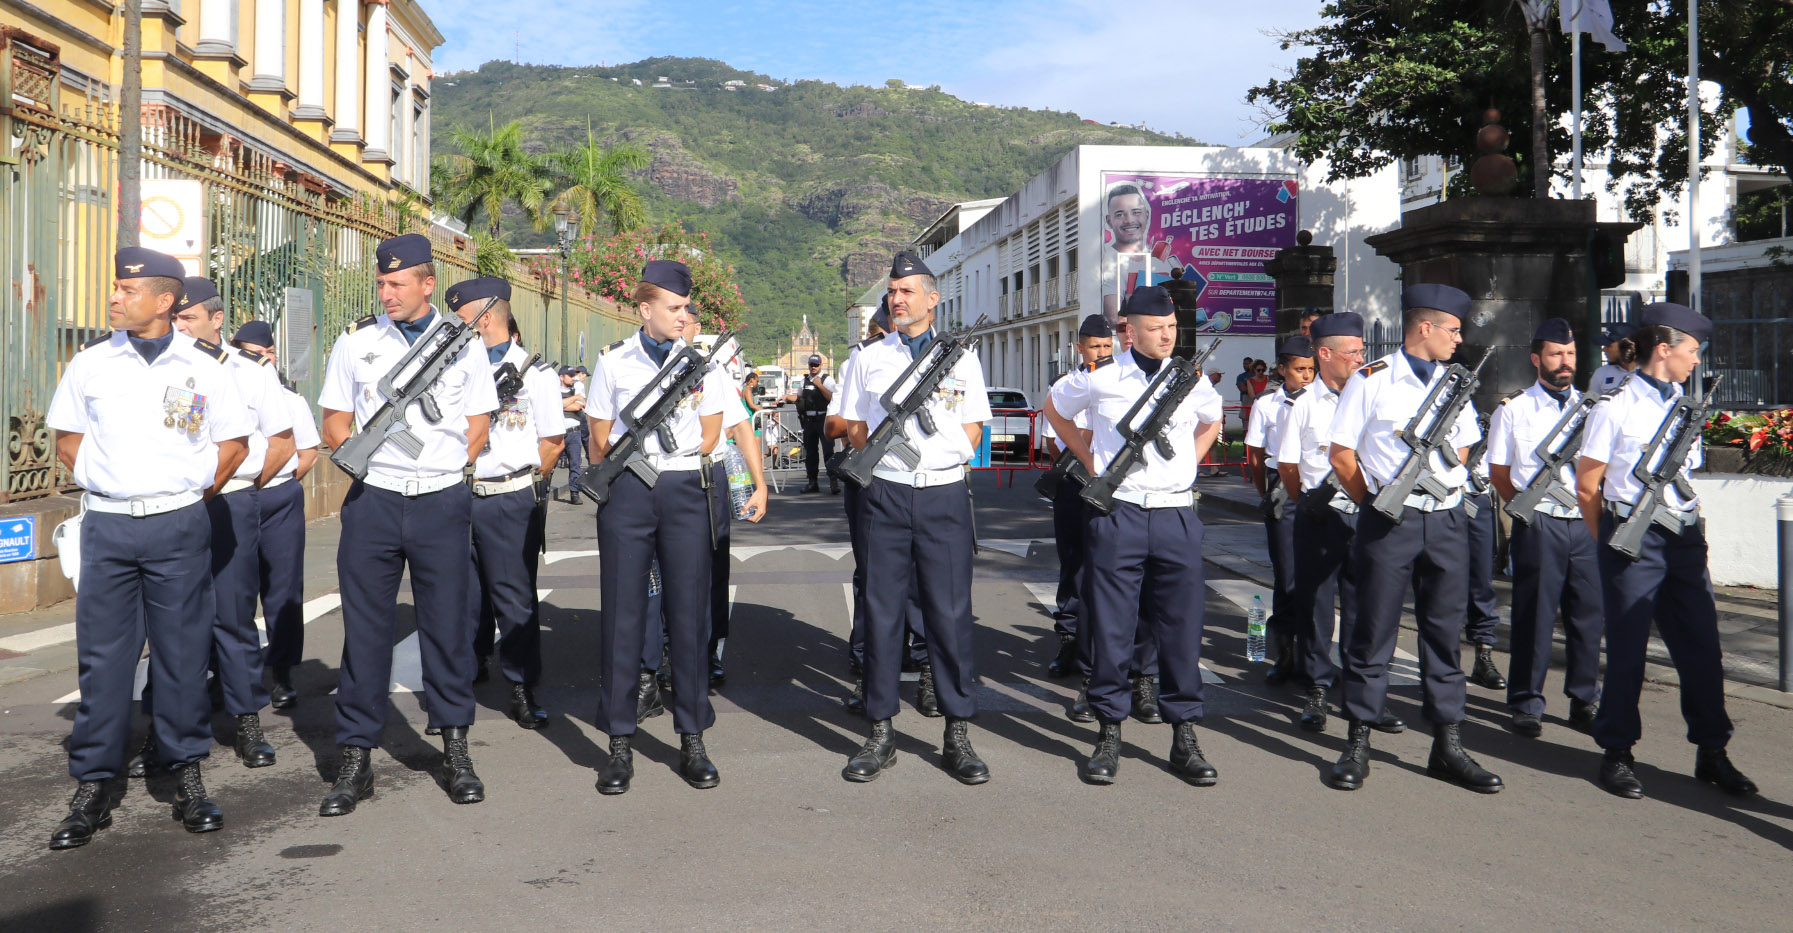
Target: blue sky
point(1175, 66)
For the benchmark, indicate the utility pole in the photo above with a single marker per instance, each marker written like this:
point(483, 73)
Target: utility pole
point(130, 128)
point(1540, 131)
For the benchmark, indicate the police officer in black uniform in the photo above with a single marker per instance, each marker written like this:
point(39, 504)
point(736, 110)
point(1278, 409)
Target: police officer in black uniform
point(148, 422)
point(812, 399)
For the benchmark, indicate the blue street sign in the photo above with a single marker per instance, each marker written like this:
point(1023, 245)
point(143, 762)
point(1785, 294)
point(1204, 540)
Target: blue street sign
point(18, 538)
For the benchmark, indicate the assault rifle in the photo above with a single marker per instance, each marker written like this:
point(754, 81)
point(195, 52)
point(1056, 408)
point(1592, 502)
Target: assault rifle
point(650, 412)
point(1177, 378)
point(1064, 466)
point(1321, 496)
point(510, 379)
point(1444, 403)
point(1675, 437)
point(410, 381)
point(889, 437)
point(1548, 482)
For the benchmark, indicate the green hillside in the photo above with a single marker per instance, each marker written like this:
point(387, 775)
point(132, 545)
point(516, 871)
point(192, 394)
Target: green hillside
point(807, 188)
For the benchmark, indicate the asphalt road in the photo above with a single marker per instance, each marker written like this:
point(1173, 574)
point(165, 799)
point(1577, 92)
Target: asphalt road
point(785, 843)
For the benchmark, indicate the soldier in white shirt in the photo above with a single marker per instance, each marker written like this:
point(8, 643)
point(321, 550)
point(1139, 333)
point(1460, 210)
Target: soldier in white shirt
point(1263, 431)
point(1554, 563)
point(522, 447)
point(236, 523)
point(668, 520)
point(409, 510)
point(1427, 548)
point(1669, 583)
point(1325, 518)
point(916, 525)
point(1151, 541)
point(1621, 358)
point(281, 502)
point(148, 422)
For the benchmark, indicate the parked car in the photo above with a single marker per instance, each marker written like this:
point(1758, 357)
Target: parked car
point(1011, 430)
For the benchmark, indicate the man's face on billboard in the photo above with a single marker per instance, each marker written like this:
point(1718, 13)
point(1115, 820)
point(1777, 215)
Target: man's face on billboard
point(1127, 218)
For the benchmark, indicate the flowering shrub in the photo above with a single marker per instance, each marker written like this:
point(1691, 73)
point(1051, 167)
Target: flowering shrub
point(1766, 432)
point(611, 266)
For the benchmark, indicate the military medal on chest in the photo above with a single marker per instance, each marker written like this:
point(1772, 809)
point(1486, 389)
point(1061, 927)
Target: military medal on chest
point(183, 409)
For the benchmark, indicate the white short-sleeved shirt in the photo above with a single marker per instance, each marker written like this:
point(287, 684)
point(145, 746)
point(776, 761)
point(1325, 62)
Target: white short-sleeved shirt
point(366, 352)
point(1620, 427)
point(1264, 429)
point(518, 426)
point(305, 430)
point(1305, 438)
point(962, 398)
point(1380, 400)
point(138, 418)
point(1520, 424)
point(1107, 389)
point(259, 387)
point(846, 373)
point(625, 369)
point(1606, 377)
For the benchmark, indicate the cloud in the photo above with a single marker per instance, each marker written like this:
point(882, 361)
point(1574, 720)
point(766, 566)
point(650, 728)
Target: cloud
point(556, 32)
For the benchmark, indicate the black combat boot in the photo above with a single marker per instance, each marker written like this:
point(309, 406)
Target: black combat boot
point(192, 806)
point(1079, 710)
point(1581, 715)
point(1065, 664)
point(1313, 716)
point(1485, 674)
point(523, 708)
point(282, 695)
point(694, 762)
point(855, 701)
point(1145, 700)
point(252, 745)
point(1530, 725)
point(1284, 668)
point(1388, 723)
point(958, 757)
point(1186, 759)
point(354, 782)
point(647, 701)
point(718, 673)
point(457, 767)
point(1713, 766)
point(146, 759)
point(1353, 767)
point(614, 777)
point(1617, 777)
point(89, 811)
point(1450, 762)
point(874, 757)
point(1106, 759)
point(927, 699)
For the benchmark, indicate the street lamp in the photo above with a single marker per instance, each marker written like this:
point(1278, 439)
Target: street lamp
point(566, 227)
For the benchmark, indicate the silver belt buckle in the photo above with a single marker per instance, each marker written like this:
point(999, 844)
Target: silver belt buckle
point(139, 509)
point(919, 480)
point(411, 489)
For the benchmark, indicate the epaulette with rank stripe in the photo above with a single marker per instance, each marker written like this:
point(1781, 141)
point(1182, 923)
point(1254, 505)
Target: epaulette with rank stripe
point(98, 340)
point(1373, 368)
point(212, 350)
point(1092, 367)
point(613, 346)
point(1509, 397)
point(364, 322)
point(543, 366)
point(1263, 394)
point(869, 341)
point(255, 358)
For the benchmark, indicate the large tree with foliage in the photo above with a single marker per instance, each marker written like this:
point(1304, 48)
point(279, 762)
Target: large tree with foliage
point(598, 184)
point(1388, 79)
point(487, 171)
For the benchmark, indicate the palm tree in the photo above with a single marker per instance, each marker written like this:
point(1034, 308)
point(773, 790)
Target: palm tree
point(490, 169)
point(598, 182)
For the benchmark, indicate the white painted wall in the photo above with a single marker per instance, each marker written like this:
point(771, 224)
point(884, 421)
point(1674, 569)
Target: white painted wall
point(1740, 526)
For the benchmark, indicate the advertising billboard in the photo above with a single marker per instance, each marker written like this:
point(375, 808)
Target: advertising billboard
point(1205, 238)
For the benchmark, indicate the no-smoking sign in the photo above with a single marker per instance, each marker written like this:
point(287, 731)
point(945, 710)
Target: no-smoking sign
point(172, 221)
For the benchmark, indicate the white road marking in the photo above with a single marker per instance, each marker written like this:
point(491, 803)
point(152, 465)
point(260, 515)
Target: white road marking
point(555, 557)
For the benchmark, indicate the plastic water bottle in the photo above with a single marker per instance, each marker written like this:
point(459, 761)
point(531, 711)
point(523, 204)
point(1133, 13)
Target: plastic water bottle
point(1254, 630)
point(740, 481)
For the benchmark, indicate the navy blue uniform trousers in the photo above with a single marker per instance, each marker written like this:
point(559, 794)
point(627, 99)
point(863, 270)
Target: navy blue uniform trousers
point(382, 532)
point(919, 541)
point(1484, 611)
point(282, 571)
point(1430, 551)
point(1143, 568)
point(723, 507)
point(637, 525)
point(1280, 535)
point(1554, 567)
point(1068, 519)
point(142, 579)
point(1671, 585)
point(915, 638)
point(236, 579)
point(501, 583)
point(1324, 575)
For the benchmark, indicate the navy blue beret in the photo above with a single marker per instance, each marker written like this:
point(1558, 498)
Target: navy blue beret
point(135, 262)
point(460, 293)
point(403, 252)
point(1616, 332)
point(1452, 301)
point(1555, 330)
point(1150, 301)
point(670, 274)
point(1297, 346)
point(907, 264)
point(1095, 325)
point(1336, 324)
point(1680, 317)
point(255, 332)
point(195, 289)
